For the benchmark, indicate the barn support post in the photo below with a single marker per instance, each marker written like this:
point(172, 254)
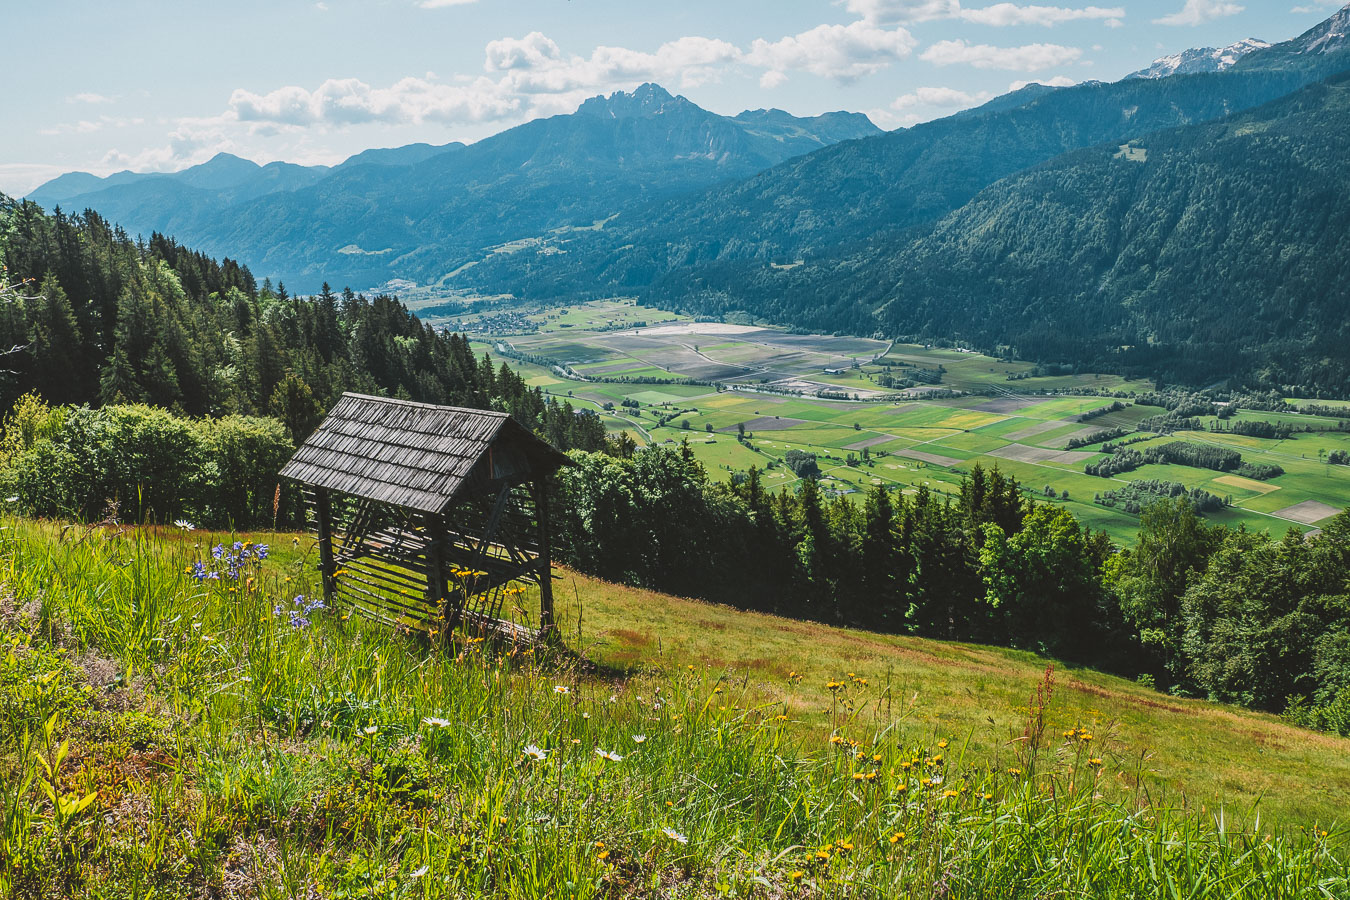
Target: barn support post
point(323, 517)
point(437, 589)
point(545, 561)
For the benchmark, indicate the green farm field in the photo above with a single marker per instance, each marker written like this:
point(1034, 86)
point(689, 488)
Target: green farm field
point(708, 380)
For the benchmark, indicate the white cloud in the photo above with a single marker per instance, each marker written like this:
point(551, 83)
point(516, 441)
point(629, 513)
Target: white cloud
point(943, 97)
point(89, 126)
point(1027, 58)
point(534, 50)
point(1058, 81)
point(892, 12)
point(535, 64)
point(89, 97)
point(1197, 12)
point(841, 52)
point(192, 141)
point(349, 101)
point(770, 80)
point(439, 4)
point(1004, 14)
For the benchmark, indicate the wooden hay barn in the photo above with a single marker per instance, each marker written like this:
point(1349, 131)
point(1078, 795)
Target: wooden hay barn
point(429, 517)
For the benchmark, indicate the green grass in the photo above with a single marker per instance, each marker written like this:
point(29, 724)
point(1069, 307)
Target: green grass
point(173, 738)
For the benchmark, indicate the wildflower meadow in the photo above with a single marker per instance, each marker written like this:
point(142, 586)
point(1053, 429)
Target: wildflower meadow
point(182, 718)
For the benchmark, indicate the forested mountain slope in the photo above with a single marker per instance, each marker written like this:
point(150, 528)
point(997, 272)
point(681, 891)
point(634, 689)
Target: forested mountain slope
point(1208, 249)
point(1191, 254)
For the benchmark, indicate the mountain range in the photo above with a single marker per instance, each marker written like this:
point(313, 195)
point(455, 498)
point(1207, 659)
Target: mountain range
point(1106, 225)
point(424, 210)
point(1021, 225)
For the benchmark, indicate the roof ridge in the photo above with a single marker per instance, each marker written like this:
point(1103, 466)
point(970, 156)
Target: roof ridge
point(414, 403)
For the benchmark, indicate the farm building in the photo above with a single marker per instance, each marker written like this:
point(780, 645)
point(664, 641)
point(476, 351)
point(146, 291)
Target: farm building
point(429, 517)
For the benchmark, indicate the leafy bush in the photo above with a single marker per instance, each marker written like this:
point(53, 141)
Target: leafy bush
point(155, 466)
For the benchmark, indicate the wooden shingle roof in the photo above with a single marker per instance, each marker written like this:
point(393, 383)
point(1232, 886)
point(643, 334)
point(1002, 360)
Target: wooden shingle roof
point(415, 455)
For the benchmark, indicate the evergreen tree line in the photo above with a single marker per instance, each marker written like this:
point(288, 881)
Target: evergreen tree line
point(986, 564)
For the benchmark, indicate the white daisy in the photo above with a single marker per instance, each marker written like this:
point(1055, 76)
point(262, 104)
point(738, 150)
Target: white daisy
point(674, 835)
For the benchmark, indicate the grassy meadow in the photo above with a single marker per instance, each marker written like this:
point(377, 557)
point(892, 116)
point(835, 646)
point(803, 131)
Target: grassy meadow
point(168, 733)
point(1019, 425)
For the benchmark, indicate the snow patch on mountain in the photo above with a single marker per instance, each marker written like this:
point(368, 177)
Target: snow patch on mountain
point(1202, 59)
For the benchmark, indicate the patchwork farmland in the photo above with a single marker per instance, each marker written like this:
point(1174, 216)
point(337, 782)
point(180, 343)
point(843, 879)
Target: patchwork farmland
point(905, 416)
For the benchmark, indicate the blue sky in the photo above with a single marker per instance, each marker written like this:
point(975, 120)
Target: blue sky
point(153, 85)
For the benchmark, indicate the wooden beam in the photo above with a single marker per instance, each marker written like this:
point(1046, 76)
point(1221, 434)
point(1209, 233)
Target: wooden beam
point(546, 623)
point(323, 514)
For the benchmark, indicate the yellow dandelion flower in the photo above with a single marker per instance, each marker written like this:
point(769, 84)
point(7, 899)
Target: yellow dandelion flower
point(897, 837)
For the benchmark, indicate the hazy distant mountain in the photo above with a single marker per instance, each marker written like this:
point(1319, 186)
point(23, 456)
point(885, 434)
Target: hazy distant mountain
point(409, 155)
point(224, 174)
point(423, 211)
point(1204, 59)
